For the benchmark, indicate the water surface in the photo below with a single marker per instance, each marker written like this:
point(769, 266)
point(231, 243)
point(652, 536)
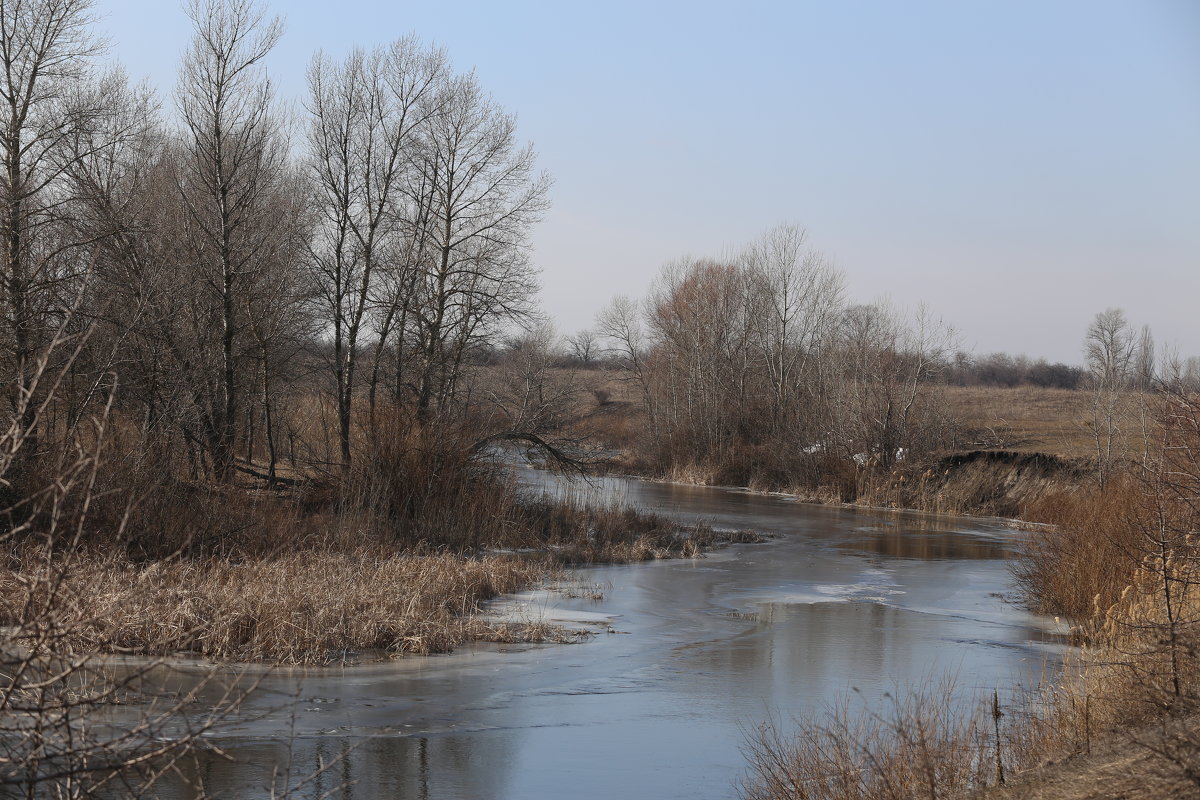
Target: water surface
point(690, 655)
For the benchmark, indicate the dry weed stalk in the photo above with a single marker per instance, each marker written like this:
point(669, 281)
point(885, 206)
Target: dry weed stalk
point(919, 747)
point(56, 735)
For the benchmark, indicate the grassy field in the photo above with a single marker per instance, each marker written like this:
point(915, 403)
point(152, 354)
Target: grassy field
point(1024, 419)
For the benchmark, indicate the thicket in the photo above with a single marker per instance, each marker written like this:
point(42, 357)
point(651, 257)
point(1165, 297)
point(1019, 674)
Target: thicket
point(1002, 369)
point(754, 370)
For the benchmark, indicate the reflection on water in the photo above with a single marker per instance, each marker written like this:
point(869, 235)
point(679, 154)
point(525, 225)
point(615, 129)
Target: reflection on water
point(897, 540)
point(703, 650)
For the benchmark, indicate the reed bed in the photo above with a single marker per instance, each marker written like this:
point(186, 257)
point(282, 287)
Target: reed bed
point(348, 587)
point(306, 607)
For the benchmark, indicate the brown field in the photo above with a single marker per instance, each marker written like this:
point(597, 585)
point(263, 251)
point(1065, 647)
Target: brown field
point(1024, 418)
point(1034, 420)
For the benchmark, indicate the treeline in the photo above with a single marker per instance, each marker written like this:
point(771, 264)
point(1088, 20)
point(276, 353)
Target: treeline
point(229, 280)
point(1002, 369)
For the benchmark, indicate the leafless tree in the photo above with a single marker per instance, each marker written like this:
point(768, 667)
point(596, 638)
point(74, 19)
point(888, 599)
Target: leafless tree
point(531, 394)
point(52, 111)
point(623, 335)
point(584, 345)
point(57, 705)
point(798, 295)
point(276, 309)
point(701, 318)
point(882, 381)
point(1144, 361)
point(475, 276)
point(232, 153)
point(1110, 347)
point(367, 114)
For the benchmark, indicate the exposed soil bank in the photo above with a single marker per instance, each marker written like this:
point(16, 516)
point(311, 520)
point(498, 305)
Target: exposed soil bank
point(992, 483)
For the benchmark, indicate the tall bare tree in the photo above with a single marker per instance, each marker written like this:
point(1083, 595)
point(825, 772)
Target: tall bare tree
point(476, 275)
point(366, 113)
point(232, 154)
point(798, 296)
point(48, 100)
point(1110, 347)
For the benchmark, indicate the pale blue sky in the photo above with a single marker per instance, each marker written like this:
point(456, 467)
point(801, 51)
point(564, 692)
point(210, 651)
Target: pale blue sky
point(1018, 166)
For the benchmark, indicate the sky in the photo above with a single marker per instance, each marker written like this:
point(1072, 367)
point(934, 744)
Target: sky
point(1015, 165)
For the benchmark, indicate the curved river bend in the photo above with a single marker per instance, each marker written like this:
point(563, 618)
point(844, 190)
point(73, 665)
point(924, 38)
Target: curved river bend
point(691, 655)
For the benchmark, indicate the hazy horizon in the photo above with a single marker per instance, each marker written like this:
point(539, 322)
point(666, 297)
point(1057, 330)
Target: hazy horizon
point(1018, 167)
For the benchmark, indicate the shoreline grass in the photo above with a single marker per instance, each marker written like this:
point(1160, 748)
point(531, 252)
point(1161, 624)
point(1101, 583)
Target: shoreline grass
point(327, 600)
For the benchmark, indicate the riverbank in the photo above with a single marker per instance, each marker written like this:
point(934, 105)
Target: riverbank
point(298, 586)
point(1117, 765)
point(1119, 563)
point(1022, 489)
point(690, 653)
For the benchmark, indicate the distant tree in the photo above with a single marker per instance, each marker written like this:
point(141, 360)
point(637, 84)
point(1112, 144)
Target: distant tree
point(531, 395)
point(1144, 362)
point(1110, 348)
point(624, 337)
point(883, 368)
point(584, 345)
point(796, 295)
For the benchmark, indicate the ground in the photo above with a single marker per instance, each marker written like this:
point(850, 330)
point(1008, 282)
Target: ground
point(1116, 769)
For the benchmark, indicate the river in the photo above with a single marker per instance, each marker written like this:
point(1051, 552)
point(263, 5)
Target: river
point(690, 655)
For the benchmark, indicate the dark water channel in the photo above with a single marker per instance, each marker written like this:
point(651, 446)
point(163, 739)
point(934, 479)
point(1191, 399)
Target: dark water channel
point(690, 656)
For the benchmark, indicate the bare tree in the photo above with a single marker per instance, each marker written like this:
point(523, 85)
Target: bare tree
point(584, 345)
point(531, 394)
point(798, 295)
point(620, 326)
point(50, 100)
point(1144, 361)
point(57, 705)
point(701, 318)
point(1110, 347)
point(366, 115)
point(232, 154)
point(882, 375)
point(277, 303)
point(476, 275)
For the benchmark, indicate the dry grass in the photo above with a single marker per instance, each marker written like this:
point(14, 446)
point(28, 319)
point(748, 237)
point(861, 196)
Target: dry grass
point(394, 557)
point(918, 747)
point(589, 534)
point(1081, 564)
point(1023, 418)
point(335, 592)
point(301, 608)
point(1030, 419)
point(1123, 563)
